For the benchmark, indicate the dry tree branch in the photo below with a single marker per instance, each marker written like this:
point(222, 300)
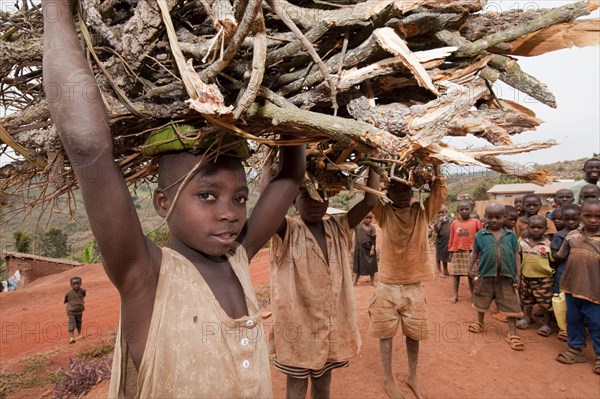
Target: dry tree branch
point(258, 67)
point(274, 4)
point(236, 42)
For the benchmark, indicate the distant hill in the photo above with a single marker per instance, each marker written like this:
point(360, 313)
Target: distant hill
point(475, 185)
point(68, 214)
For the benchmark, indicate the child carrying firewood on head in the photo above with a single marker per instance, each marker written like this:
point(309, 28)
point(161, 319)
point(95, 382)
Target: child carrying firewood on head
point(311, 288)
point(399, 298)
point(75, 299)
point(190, 322)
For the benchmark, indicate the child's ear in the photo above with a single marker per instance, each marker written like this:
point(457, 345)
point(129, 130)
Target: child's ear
point(161, 202)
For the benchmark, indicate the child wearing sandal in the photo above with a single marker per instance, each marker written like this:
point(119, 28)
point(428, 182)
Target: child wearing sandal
point(581, 285)
point(536, 284)
point(570, 220)
point(496, 277)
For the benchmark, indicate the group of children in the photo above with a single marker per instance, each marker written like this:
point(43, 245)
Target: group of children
point(519, 259)
point(190, 323)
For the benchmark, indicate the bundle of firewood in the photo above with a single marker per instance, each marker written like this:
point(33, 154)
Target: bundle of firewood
point(367, 83)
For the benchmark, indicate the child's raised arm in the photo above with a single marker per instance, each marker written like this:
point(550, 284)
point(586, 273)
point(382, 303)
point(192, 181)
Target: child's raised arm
point(81, 121)
point(437, 196)
point(362, 209)
point(275, 199)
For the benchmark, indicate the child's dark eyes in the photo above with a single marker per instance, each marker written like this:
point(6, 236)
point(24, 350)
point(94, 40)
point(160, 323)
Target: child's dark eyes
point(240, 200)
point(207, 196)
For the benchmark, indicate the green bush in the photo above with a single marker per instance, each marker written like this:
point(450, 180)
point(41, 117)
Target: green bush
point(22, 241)
point(53, 243)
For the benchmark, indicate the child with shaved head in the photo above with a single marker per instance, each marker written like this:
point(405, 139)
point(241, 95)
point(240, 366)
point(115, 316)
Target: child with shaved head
point(570, 220)
point(499, 273)
point(581, 285)
point(537, 281)
point(532, 204)
point(462, 234)
point(590, 191)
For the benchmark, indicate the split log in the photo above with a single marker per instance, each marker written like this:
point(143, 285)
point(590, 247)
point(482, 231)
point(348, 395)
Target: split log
point(556, 37)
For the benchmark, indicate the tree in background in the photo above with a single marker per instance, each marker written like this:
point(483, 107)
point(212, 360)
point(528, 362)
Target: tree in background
point(480, 192)
point(53, 243)
point(22, 241)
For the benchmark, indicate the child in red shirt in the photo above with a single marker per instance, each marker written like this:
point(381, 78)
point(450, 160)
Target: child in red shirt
point(462, 234)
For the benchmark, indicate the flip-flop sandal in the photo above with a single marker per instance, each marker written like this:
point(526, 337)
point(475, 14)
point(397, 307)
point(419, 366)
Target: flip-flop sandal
point(571, 356)
point(476, 327)
point(522, 324)
point(562, 335)
point(544, 331)
point(515, 342)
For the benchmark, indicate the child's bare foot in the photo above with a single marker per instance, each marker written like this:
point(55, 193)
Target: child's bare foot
point(392, 390)
point(72, 341)
point(500, 317)
point(416, 387)
point(454, 299)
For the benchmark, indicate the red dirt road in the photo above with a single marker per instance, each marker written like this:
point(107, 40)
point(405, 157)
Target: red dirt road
point(453, 362)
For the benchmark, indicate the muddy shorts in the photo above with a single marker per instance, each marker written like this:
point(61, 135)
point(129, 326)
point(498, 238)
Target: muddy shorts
point(74, 321)
point(537, 290)
point(304, 373)
point(395, 304)
point(499, 289)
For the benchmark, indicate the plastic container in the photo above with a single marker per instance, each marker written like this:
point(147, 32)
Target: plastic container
point(559, 305)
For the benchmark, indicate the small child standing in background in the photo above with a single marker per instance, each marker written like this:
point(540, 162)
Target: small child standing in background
point(510, 218)
point(462, 234)
point(365, 252)
point(581, 285)
point(74, 299)
point(556, 218)
point(498, 274)
point(442, 236)
point(590, 191)
point(570, 220)
point(518, 204)
point(532, 204)
point(537, 281)
point(561, 197)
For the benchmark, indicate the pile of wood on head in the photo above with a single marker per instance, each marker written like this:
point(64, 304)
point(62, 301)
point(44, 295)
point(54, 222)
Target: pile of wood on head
point(368, 83)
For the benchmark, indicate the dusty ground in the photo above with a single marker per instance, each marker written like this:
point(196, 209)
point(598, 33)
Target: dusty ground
point(453, 362)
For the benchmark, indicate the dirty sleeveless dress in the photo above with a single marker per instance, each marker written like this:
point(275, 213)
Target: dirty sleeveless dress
point(194, 349)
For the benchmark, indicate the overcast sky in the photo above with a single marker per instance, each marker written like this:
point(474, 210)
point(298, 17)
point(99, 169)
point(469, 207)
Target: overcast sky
point(573, 75)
